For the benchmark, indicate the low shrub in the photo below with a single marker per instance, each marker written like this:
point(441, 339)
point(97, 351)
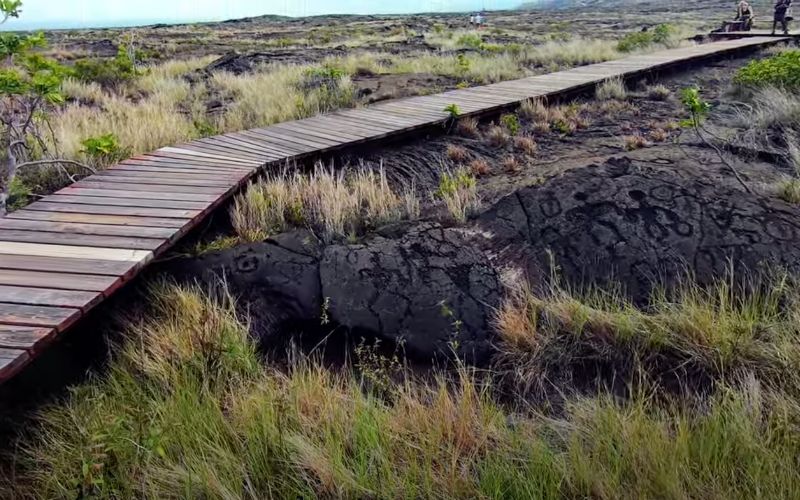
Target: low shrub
point(660, 34)
point(510, 122)
point(104, 149)
point(106, 72)
point(780, 70)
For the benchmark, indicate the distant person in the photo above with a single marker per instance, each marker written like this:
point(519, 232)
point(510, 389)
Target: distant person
point(479, 20)
point(781, 9)
point(472, 20)
point(744, 14)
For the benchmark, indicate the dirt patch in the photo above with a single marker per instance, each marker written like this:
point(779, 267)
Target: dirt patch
point(373, 88)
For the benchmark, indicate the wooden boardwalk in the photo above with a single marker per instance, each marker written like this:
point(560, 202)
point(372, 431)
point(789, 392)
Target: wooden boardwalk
point(63, 255)
point(754, 34)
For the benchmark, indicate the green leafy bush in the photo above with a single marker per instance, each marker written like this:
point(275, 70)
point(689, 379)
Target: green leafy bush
point(106, 72)
point(104, 149)
point(470, 40)
point(453, 110)
point(781, 70)
point(661, 34)
point(511, 123)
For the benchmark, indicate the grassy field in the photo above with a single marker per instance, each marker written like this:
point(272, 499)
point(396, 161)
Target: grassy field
point(187, 409)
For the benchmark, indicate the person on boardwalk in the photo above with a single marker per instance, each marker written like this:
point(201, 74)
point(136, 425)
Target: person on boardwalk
point(781, 8)
point(744, 14)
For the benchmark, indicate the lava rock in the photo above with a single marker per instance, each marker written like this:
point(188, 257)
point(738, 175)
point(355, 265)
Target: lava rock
point(431, 289)
point(637, 226)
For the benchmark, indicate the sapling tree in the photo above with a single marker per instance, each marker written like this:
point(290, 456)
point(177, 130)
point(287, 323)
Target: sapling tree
point(30, 87)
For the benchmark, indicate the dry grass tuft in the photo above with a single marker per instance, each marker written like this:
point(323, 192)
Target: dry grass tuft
point(468, 127)
point(612, 89)
point(456, 153)
point(331, 202)
point(511, 164)
point(479, 167)
point(634, 141)
point(658, 92)
point(497, 136)
point(658, 135)
point(526, 144)
point(535, 110)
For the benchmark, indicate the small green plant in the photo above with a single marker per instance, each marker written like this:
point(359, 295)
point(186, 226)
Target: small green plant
point(510, 122)
point(463, 64)
point(104, 149)
point(697, 107)
point(438, 28)
point(205, 128)
point(781, 70)
point(452, 110)
point(459, 191)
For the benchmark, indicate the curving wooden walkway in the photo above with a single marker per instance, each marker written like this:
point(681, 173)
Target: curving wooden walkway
point(63, 255)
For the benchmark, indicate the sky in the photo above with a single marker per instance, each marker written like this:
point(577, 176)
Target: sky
point(108, 13)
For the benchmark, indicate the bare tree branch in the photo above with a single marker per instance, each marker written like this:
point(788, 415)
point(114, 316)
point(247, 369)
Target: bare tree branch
point(56, 162)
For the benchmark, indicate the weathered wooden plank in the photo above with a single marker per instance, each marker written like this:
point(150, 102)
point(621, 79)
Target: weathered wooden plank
point(159, 161)
point(126, 202)
point(24, 337)
point(24, 315)
point(178, 152)
point(212, 149)
point(162, 179)
point(116, 220)
point(61, 281)
point(46, 206)
point(87, 240)
point(49, 297)
point(94, 182)
point(145, 195)
point(284, 137)
point(287, 149)
point(340, 136)
point(114, 268)
point(94, 229)
point(156, 172)
point(74, 252)
point(11, 361)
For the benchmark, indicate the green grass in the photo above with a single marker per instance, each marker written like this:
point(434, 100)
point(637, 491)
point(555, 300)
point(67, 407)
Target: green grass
point(188, 410)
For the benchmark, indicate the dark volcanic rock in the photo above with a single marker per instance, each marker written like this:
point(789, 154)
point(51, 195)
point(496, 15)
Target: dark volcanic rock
point(631, 225)
point(426, 286)
point(429, 288)
point(276, 281)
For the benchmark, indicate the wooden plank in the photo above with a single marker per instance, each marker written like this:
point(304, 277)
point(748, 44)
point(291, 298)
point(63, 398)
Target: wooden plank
point(309, 129)
point(145, 195)
point(239, 143)
point(11, 361)
point(94, 182)
point(49, 297)
point(87, 240)
point(287, 149)
point(93, 229)
point(116, 220)
point(161, 179)
point(145, 166)
point(114, 268)
point(126, 202)
point(28, 338)
point(60, 281)
point(46, 206)
point(187, 158)
point(212, 149)
point(178, 152)
point(23, 315)
point(156, 172)
point(157, 161)
point(283, 137)
point(180, 171)
point(74, 252)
